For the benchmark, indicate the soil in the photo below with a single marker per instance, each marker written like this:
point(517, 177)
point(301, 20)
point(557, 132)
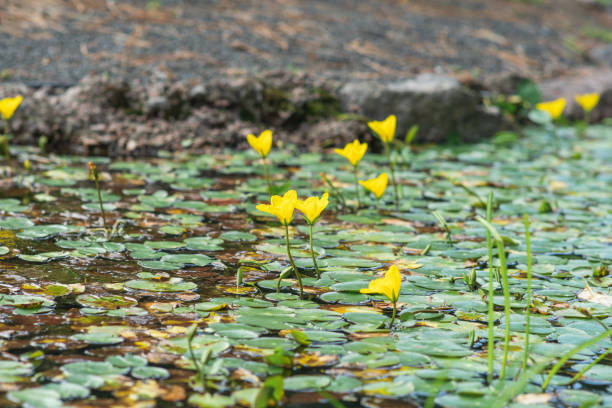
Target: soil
point(58, 42)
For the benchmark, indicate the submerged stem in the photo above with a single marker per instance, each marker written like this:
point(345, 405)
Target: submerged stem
point(295, 269)
point(314, 259)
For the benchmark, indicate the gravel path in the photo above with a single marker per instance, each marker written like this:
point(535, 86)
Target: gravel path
point(60, 41)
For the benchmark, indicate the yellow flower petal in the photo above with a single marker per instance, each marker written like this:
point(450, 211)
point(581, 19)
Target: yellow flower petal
point(281, 207)
point(389, 285)
point(376, 185)
point(385, 129)
point(261, 144)
point(8, 106)
point(587, 101)
point(553, 108)
point(353, 151)
point(312, 207)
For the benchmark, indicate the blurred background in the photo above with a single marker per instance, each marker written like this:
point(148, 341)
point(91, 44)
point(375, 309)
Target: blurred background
point(62, 40)
point(119, 77)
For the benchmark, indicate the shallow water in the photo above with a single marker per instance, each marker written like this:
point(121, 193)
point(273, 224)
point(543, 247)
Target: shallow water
point(69, 295)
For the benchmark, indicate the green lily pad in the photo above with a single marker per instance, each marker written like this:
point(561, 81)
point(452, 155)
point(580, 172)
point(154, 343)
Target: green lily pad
point(173, 285)
point(143, 372)
point(306, 382)
point(238, 236)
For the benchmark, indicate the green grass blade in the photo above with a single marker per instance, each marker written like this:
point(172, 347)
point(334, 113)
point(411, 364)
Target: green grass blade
point(588, 367)
point(570, 353)
point(491, 336)
point(501, 251)
point(527, 309)
point(505, 394)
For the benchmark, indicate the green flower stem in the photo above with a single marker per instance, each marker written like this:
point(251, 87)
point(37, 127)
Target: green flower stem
point(314, 259)
point(392, 168)
point(394, 312)
point(295, 269)
point(356, 188)
point(267, 175)
point(377, 204)
point(6, 129)
point(100, 202)
point(504, 392)
point(527, 310)
point(491, 323)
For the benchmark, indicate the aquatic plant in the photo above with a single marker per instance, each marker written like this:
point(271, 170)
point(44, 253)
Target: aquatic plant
point(501, 253)
point(376, 186)
point(389, 285)
point(490, 306)
point(587, 102)
point(95, 176)
point(282, 207)
point(8, 106)
point(442, 221)
point(262, 145)
point(354, 152)
point(385, 129)
point(188, 232)
point(311, 208)
point(573, 351)
point(200, 365)
point(553, 108)
point(528, 308)
point(336, 194)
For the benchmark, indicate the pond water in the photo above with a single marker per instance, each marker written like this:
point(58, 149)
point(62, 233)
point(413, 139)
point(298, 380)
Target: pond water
point(94, 321)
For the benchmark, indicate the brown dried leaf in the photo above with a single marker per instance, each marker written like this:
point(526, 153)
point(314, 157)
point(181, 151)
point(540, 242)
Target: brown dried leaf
point(590, 296)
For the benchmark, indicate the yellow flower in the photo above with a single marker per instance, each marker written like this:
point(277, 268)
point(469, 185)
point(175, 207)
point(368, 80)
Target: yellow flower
point(587, 101)
point(353, 151)
point(261, 144)
point(281, 207)
point(553, 108)
point(8, 106)
point(384, 129)
point(388, 286)
point(312, 207)
point(27, 164)
point(376, 185)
